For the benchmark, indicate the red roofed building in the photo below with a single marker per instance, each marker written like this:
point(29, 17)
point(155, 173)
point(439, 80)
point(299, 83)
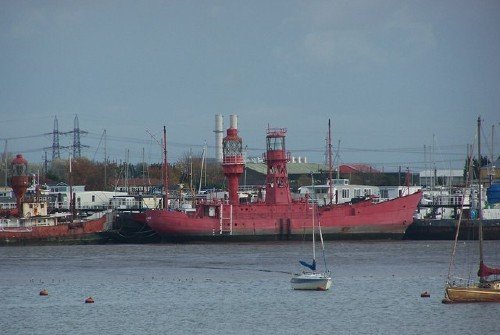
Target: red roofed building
point(357, 168)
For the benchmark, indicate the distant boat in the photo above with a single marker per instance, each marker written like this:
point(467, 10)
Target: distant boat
point(312, 280)
point(486, 289)
point(441, 222)
point(30, 223)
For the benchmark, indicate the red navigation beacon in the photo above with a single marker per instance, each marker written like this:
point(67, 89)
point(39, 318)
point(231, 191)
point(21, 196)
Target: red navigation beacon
point(19, 181)
point(232, 163)
point(276, 157)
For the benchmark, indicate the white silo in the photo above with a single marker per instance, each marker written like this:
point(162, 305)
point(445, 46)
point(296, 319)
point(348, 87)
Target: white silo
point(233, 121)
point(219, 134)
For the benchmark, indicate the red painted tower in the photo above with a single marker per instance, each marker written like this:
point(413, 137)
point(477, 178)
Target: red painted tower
point(19, 181)
point(276, 157)
point(232, 161)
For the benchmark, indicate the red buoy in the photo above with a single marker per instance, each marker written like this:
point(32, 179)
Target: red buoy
point(89, 300)
point(44, 292)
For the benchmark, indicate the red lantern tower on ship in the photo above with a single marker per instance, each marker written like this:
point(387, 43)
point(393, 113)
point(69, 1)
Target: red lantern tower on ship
point(232, 162)
point(276, 158)
point(19, 181)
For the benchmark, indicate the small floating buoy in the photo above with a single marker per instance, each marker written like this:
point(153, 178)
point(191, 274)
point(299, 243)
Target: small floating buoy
point(89, 300)
point(44, 292)
point(425, 294)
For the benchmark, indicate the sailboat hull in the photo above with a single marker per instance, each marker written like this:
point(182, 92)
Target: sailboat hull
point(311, 281)
point(471, 294)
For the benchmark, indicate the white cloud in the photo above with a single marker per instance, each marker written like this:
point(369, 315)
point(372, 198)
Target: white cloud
point(40, 18)
point(363, 33)
point(335, 47)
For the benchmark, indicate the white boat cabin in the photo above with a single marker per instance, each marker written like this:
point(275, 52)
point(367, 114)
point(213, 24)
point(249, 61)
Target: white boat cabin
point(131, 202)
point(32, 207)
point(342, 191)
point(391, 192)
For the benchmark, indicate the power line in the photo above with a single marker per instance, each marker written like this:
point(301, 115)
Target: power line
point(56, 146)
point(23, 137)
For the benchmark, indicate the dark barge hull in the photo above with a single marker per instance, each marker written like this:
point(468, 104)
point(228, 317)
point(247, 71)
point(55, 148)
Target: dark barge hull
point(130, 227)
point(445, 229)
point(225, 238)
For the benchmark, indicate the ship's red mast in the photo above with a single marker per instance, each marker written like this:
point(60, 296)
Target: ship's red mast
point(19, 181)
point(276, 157)
point(165, 170)
point(232, 162)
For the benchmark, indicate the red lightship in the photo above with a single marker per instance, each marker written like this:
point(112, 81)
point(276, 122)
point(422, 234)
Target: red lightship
point(278, 217)
point(30, 222)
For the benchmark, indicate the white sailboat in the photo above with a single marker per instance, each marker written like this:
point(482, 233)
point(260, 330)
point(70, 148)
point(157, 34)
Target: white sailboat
point(313, 280)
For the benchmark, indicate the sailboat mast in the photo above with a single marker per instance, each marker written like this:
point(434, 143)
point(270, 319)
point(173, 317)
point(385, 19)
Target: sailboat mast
point(469, 176)
point(165, 170)
point(330, 163)
point(314, 233)
point(313, 218)
point(492, 168)
point(202, 167)
point(191, 170)
point(338, 160)
point(105, 162)
point(71, 196)
point(479, 193)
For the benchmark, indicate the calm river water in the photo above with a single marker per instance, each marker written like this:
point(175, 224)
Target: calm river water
point(234, 289)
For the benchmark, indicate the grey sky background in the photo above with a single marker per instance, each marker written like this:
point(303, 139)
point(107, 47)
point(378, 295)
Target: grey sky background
point(393, 76)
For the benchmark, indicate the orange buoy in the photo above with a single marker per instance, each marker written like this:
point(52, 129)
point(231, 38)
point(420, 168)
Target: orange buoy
point(89, 300)
point(425, 294)
point(44, 292)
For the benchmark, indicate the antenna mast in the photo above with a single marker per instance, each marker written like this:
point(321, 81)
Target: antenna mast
point(330, 163)
point(55, 140)
point(76, 139)
point(165, 170)
point(105, 162)
point(6, 166)
point(480, 190)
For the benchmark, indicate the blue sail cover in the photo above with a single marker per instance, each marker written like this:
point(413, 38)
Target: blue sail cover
point(310, 266)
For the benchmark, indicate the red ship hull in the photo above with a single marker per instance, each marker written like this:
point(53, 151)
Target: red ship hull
point(77, 232)
point(258, 221)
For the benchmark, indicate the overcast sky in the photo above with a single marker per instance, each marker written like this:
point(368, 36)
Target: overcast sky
point(394, 77)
